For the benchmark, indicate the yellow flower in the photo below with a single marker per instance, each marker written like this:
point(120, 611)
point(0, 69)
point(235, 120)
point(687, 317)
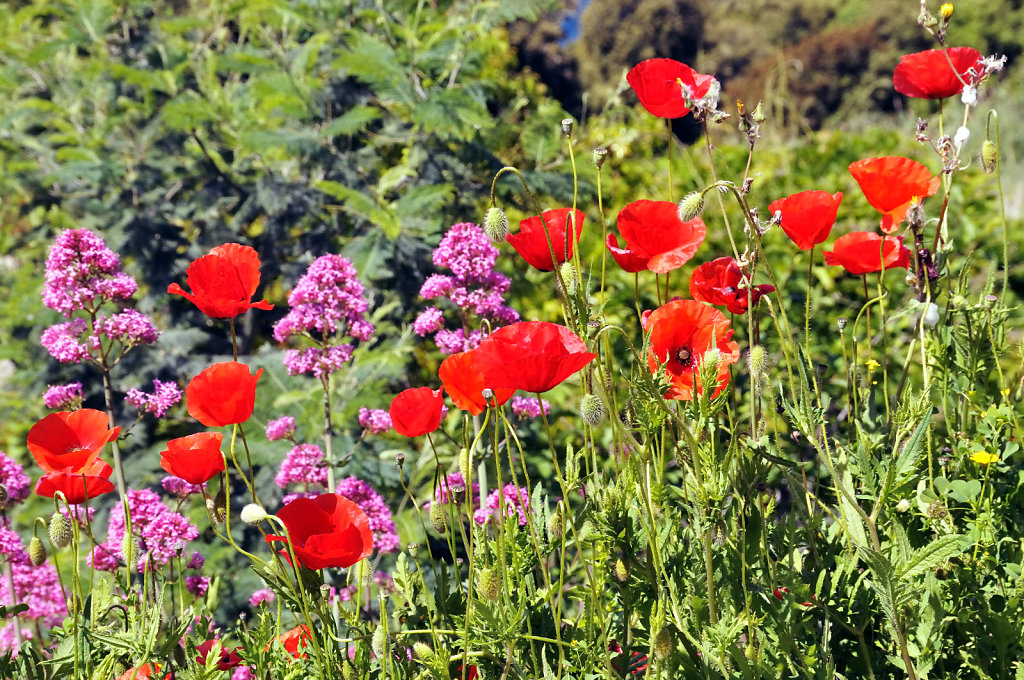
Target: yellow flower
point(984, 457)
point(946, 10)
point(872, 364)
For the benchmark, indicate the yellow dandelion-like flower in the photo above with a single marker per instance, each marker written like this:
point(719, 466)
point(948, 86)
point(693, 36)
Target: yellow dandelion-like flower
point(872, 364)
point(946, 10)
point(984, 457)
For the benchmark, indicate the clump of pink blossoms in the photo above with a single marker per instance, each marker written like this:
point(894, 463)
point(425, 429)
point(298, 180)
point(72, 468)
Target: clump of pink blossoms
point(160, 532)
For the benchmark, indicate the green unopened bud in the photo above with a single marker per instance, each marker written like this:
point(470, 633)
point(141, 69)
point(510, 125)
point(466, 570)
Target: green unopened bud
point(496, 224)
point(437, 521)
point(349, 672)
point(663, 644)
point(591, 409)
point(556, 527)
point(989, 156)
point(757, 115)
point(621, 570)
point(568, 271)
point(466, 465)
point(567, 125)
point(600, 156)
point(488, 583)
point(377, 641)
point(758, 360)
point(36, 551)
point(253, 514)
point(691, 206)
point(130, 551)
point(589, 532)
point(421, 651)
point(60, 531)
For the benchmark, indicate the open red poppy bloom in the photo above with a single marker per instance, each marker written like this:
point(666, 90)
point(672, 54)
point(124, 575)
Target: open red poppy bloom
point(533, 356)
point(295, 640)
point(719, 283)
point(658, 84)
point(863, 252)
point(564, 226)
point(656, 239)
point(78, 486)
point(223, 282)
point(228, 657)
point(682, 332)
point(196, 458)
point(223, 394)
point(417, 411)
point(933, 75)
point(892, 184)
point(70, 440)
point(326, 531)
point(807, 217)
point(464, 383)
point(143, 672)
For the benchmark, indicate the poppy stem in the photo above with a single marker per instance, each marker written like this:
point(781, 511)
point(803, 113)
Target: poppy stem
point(807, 310)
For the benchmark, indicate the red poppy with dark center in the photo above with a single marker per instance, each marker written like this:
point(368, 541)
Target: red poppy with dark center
point(659, 83)
point(719, 283)
point(935, 74)
point(564, 227)
point(682, 332)
point(223, 394)
point(417, 411)
point(656, 239)
point(863, 252)
point(223, 282)
point(78, 486)
point(228, 657)
point(196, 458)
point(807, 217)
point(464, 383)
point(326, 531)
point(70, 440)
point(533, 356)
point(892, 184)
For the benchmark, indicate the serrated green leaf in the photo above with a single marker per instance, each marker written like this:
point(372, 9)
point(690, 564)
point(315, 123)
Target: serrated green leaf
point(351, 122)
point(932, 556)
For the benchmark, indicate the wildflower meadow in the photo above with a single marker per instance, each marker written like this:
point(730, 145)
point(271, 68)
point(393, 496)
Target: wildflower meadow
point(345, 352)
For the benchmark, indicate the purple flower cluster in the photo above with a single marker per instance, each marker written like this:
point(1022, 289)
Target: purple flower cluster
point(385, 536)
point(176, 486)
point(281, 428)
point(161, 533)
point(64, 397)
point(455, 485)
point(374, 420)
point(64, 341)
point(304, 464)
point(165, 395)
point(473, 286)
point(516, 501)
point(528, 407)
point(260, 596)
point(14, 479)
point(38, 587)
point(82, 273)
point(130, 328)
point(326, 301)
point(197, 585)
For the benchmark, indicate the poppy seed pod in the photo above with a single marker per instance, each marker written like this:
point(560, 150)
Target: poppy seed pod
point(600, 156)
point(496, 224)
point(60, 531)
point(567, 125)
point(36, 551)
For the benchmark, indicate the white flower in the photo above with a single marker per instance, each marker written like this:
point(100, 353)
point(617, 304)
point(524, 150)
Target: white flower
point(931, 315)
point(970, 95)
point(961, 137)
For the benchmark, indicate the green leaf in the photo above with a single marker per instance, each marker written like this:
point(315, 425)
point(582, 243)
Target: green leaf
point(351, 122)
point(932, 556)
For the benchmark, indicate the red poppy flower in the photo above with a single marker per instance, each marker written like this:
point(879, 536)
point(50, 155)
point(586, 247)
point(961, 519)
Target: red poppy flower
point(718, 283)
point(223, 282)
point(934, 75)
point(464, 383)
point(143, 672)
point(196, 458)
point(682, 332)
point(658, 84)
point(533, 356)
point(863, 252)
point(297, 637)
point(656, 239)
point(564, 226)
point(807, 217)
point(417, 411)
point(70, 440)
point(326, 531)
point(223, 394)
point(228, 658)
point(78, 486)
point(892, 184)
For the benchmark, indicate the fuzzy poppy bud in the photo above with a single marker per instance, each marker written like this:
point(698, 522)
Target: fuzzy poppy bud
point(692, 205)
point(253, 514)
point(348, 671)
point(567, 125)
point(663, 644)
point(421, 651)
point(758, 360)
point(621, 570)
point(568, 271)
point(36, 551)
point(378, 640)
point(466, 465)
point(437, 521)
point(488, 583)
point(130, 551)
point(496, 224)
point(600, 156)
point(591, 409)
point(589, 532)
point(556, 527)
point(989, 156)
point(60, 531)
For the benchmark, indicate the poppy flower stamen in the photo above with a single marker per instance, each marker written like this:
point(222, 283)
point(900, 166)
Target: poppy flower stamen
point(684, 356)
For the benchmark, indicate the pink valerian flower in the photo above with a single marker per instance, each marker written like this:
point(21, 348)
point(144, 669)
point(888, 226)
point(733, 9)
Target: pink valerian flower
point(304, 464)
point(516, 501)
point(64, 397)
point(243, 673)
point(317, 361)
point(196, 562)
point(528, 407)
point(128, 328)
point(82, 273)
point(295, 495)
point(176, 486)
point(385, 536)
point(38, 587)
point(197, 585)
point(281, 428)
point(14, 479)
point(474, 287)
point(454, 485)
point(165, 395)
point(260, 596)
point(64, 341)
point(161, 533)
point(374, 420)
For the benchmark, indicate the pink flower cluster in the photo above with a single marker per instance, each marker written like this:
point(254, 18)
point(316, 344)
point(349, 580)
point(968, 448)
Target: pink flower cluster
point(528, 407)
point(38, 587)
point(374, 420)
point(161, 533)
point(165, 395)
point(14, 479)
point(281, 428)
point(64, 397)
point(82, 273)
point(305, 464)
point(516, 500)
point(473, 287)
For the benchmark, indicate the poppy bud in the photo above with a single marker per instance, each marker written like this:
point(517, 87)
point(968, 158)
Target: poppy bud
point(488, 583)
point(555, 525)
point(496, 224)
point(567, 124)
point(60, 531)
point(841, 322)
point(758, 360)
point(378, 640)
point(421, 651)
point(400, 460)
point(692, 205)
point(349, 672)
point(591, 409)
point(663, 644)
point(130, 551)
point(621, 570)
point(36, 551)
point(466, 465)
point(568, 271)
point(437, 521)
point(253, 514)
point(600, 156)
point(589, 532)
point(989, 156)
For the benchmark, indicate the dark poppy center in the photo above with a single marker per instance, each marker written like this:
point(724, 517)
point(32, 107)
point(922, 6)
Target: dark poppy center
point(684, 356)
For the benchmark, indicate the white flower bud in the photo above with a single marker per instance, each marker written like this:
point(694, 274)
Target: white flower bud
point(961, 137)
point(253, 514)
